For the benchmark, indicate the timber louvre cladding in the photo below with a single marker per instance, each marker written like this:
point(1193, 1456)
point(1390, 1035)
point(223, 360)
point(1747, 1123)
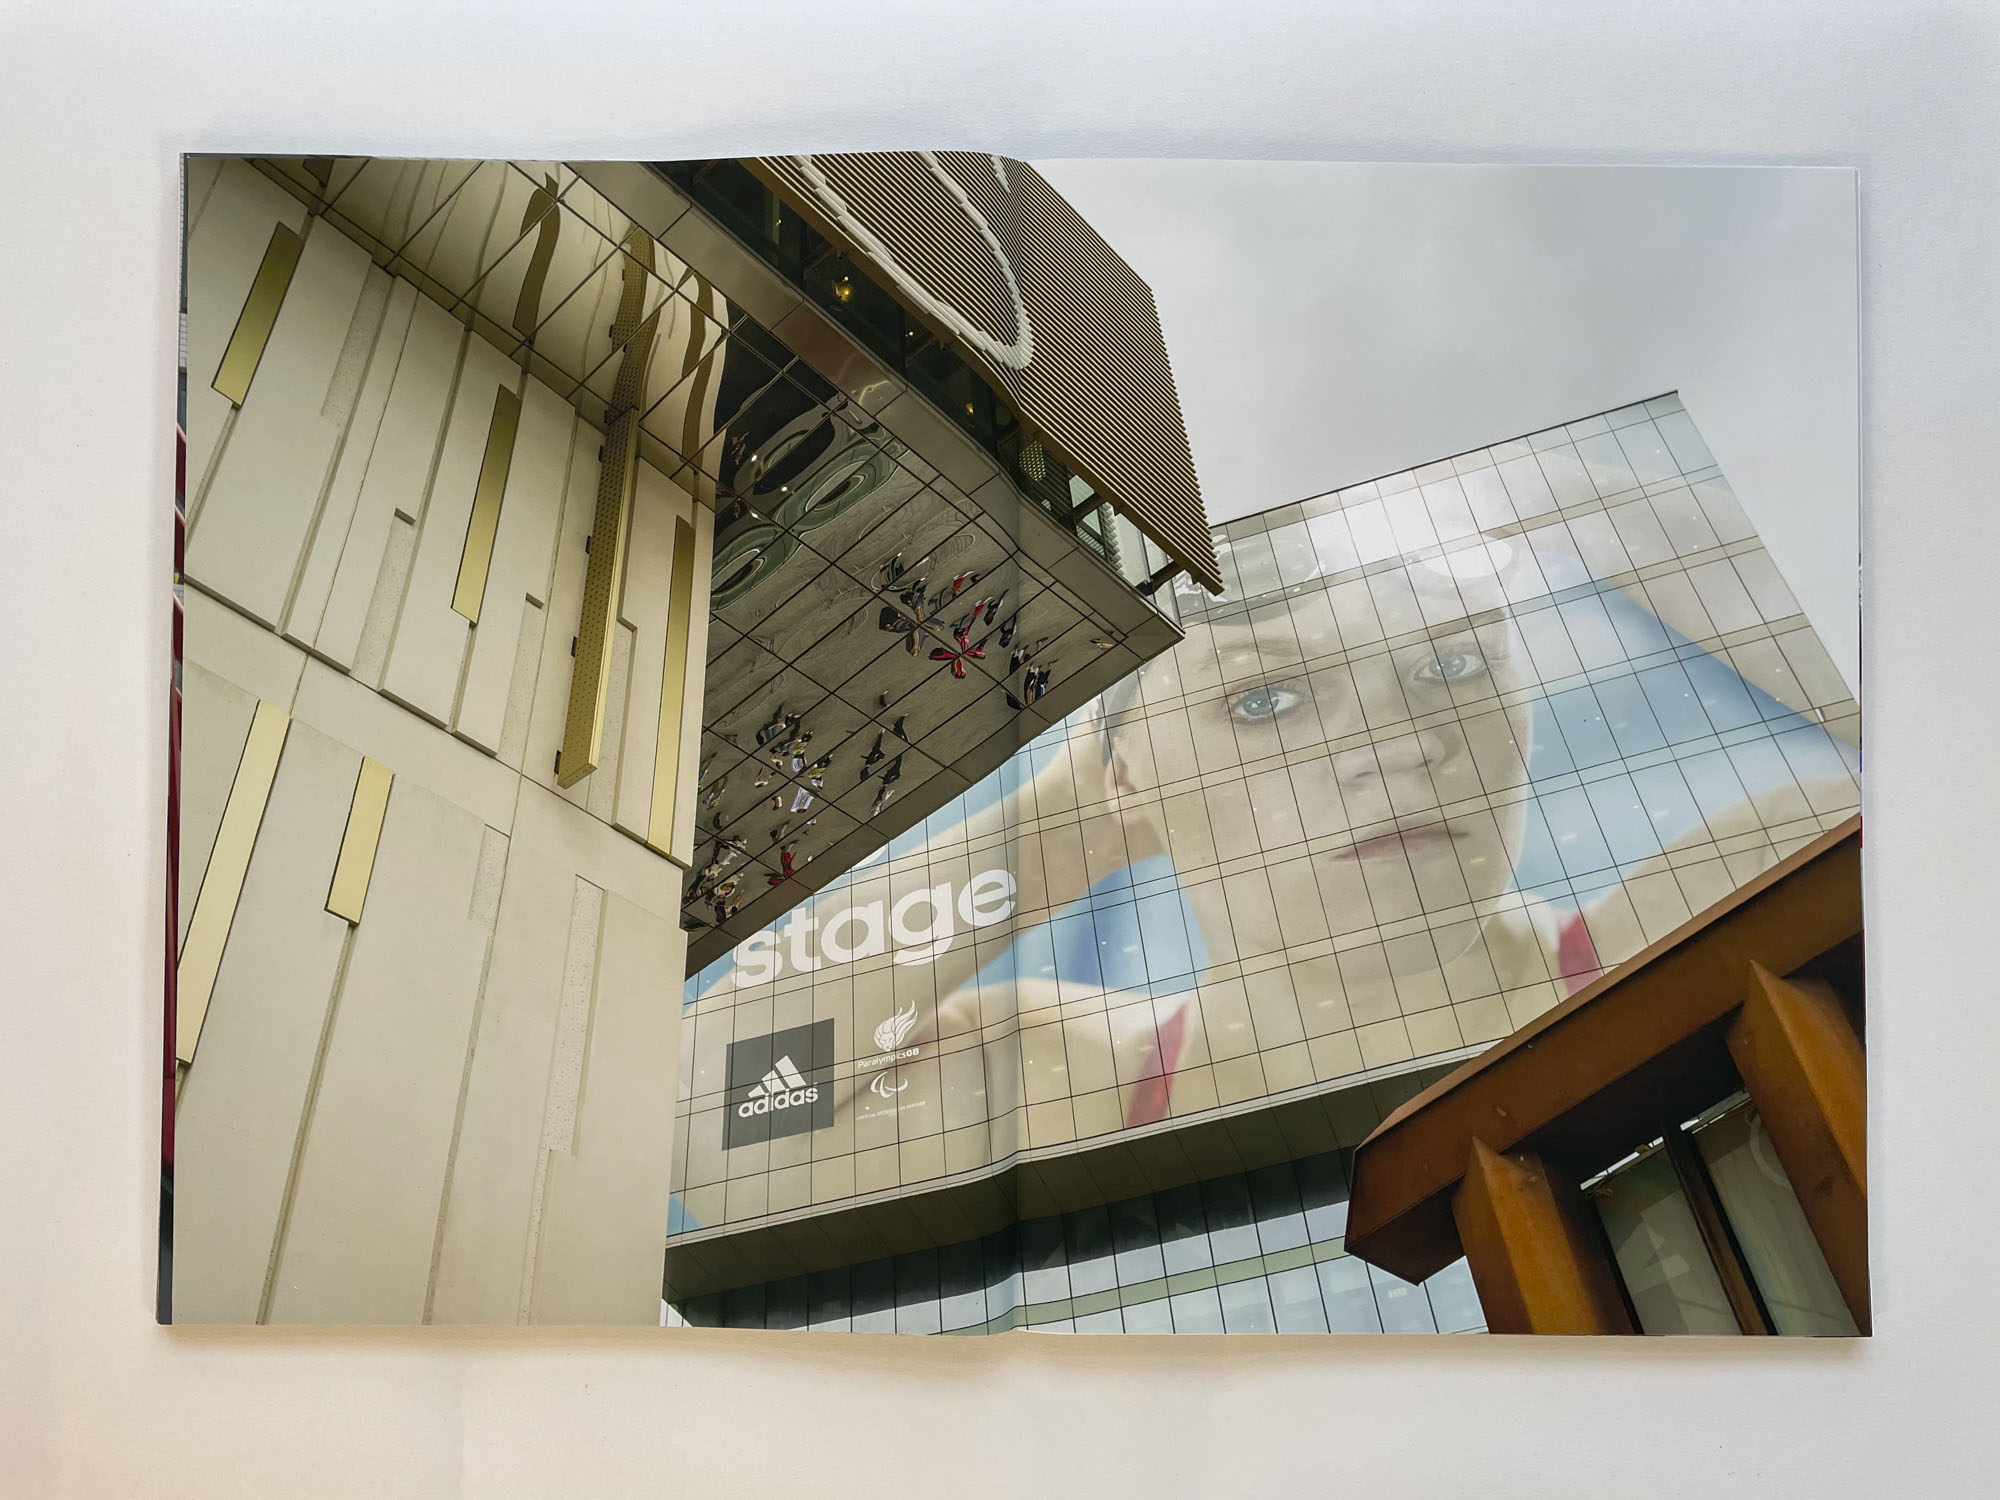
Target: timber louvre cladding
point(1098, 386)
point(1585, 1082)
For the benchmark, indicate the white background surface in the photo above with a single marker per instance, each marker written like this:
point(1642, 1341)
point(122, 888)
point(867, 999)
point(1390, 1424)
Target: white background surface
point(95, 1401)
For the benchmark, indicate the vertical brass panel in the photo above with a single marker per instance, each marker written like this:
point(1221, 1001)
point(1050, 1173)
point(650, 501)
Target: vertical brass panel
point(259, 315)
point(693, 478)
point(637, 335)
point(356, 864)
point(673, 694)
point(222, 883)
point(590, 677)
point(528, 305)
point(484, 522)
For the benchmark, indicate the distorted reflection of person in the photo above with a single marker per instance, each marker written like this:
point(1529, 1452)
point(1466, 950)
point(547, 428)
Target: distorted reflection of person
point(891, 774)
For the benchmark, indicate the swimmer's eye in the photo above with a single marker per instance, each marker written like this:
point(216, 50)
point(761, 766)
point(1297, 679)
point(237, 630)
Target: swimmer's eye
point(1451, 666)
point(1260, 705)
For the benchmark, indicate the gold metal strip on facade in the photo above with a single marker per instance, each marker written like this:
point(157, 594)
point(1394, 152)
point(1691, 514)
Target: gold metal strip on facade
point(590, 676)
point(222, 882)
point(694, 480)
point(356, 864)
point(673, 693)
point(259, 315)
point(484, 523)
point(528, 306)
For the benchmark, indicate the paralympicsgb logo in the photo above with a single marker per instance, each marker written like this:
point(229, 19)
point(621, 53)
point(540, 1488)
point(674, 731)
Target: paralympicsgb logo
point(778, 1085)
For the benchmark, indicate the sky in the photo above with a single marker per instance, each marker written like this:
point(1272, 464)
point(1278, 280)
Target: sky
point(1330, 323)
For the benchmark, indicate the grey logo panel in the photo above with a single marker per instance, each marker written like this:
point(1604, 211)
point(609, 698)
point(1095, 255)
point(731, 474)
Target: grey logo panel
point(779, 1084)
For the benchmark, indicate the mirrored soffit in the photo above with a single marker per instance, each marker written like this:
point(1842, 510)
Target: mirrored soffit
point(889, 620)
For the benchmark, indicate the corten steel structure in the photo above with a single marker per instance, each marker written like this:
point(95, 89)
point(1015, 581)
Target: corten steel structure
point(582, 565)
point(1760, 995)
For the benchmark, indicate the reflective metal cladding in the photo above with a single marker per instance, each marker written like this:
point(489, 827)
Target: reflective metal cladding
point(991, 256)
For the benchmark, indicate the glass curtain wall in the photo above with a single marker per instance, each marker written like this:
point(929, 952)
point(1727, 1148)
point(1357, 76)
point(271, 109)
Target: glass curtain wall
point(1674, 1275)
point(1453, 743)
point(1256, 1252)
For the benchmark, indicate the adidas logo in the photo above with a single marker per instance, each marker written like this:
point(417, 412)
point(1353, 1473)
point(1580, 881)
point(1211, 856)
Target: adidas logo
point(787, 1099)
point(781, 1088)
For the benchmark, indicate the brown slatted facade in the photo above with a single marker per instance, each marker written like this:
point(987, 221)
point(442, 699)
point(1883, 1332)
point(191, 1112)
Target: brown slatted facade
point(1099, 388)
